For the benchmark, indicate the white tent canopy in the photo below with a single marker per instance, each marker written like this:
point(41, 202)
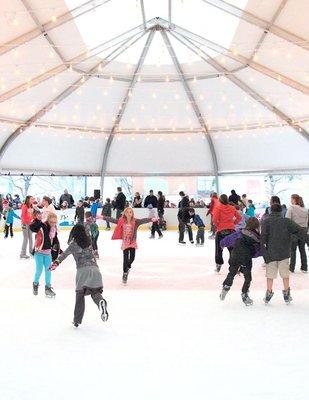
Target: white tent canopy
point(196, 87)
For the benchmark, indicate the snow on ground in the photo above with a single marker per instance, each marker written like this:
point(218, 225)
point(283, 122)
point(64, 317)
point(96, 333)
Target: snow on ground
point(168, 337)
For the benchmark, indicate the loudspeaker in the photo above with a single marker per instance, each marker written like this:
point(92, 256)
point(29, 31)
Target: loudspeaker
point(97, 193)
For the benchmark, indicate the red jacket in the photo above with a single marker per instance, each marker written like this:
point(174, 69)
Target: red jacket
point(213, 204)
point(26, 215)
point(225, 217)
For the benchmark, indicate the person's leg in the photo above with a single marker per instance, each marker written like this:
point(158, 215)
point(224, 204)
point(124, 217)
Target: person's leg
point(47, 260)
point(30, 241)
point(6, 230)
point(233, 269)
point(286, 283)
point(219, 251)
point(198, 236)
point(25, 241)
point(153, 229)
point(79, 309)
point(270, 283)
point(131, 256)
point(94, 241)
point(248, 278)
point(181, 227)
point(11, 230)
point(202, 235)
point(125, 260)
point(108, 225)
point(293, 254)
point(96, 295)
point(157, 229)
point(38, 258)
point(303, 255)
point(190, 233)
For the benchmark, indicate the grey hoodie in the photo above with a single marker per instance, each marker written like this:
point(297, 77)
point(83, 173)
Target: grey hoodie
point(299, 215)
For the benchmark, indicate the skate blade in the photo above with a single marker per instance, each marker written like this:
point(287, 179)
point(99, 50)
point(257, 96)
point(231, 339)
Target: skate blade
point(50, 296)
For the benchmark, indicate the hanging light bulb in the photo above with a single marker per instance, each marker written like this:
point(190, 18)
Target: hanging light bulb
point(54, 18)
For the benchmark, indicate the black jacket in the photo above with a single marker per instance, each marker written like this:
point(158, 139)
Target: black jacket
point(161, 202)
point(68, 198)
point(234, 198)
point(183, 204)
point(245, 248)
point(107, 210)
point(276, 237)
point(120, 201)
point(151, 199)
point(80, 214)
point(43, 241)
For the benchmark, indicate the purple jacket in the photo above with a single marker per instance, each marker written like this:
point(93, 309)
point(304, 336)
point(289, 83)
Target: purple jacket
point(230, 240)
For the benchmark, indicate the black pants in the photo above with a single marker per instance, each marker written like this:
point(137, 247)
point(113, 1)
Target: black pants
point(155, 228)
point(96, 295)
point(200, 236)
point(108, 225)
point(118, 213)
point(219, 250)
point(94, 242)
point(303, 256)
point(182, 227)
point(6, 230)
point(246, 270)
point(128, 258)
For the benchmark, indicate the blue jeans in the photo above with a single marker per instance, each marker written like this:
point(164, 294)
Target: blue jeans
point(42, 260)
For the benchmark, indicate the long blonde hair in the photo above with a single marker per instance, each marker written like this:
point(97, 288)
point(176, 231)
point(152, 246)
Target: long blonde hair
point(124, 214)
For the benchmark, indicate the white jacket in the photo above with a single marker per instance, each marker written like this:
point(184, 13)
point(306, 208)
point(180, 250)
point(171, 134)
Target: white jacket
point(299, 215)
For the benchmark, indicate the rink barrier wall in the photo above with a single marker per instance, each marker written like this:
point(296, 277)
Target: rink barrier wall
point(66, 218)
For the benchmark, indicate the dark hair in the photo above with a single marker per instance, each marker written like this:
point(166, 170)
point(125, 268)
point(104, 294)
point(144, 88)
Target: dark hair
point(276, 207)
point(181, 193)
point(91, 198)
point(108, 200)
point(233, 191)
point(27, 201)
point(214, 194)
point(191, 210)
point(301, 202)
point(160, 193)
point(275, 200)
point(78, 233)
point(88, 214)
point(252, 224)
point(119, 189)
point(223, 199)
point(298, 199)
point(150, 191)
point(48, 199)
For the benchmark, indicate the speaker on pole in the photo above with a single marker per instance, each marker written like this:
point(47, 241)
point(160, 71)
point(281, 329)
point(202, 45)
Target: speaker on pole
point(97, 194)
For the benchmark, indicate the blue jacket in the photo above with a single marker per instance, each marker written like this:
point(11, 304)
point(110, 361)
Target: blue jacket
point(250, 211)
point(10, 215)
point(198, 221)
point(94, 209)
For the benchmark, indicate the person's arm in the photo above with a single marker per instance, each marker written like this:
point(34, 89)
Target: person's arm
point(15, 215)
point(110, 219)
point(237, 216)
point(65, 253)
point(229, 241)
point(264, 241)
point(142, 221)
point(216, 217)
point(297, 230)
point(36, 225)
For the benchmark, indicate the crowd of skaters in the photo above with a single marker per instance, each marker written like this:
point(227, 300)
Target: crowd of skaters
point(275, 236)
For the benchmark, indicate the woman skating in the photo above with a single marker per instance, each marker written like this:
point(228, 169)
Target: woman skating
point(126, 230)
point(88, 275)
point(26, 219)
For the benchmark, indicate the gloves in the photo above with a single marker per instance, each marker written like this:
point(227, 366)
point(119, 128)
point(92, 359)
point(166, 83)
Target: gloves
point(53, 266)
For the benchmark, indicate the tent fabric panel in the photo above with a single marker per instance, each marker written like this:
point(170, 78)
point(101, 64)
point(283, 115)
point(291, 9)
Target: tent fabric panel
point(261, 149)
point(159, 154)
point(295, 11)
point(26, 104)
point(80, 153)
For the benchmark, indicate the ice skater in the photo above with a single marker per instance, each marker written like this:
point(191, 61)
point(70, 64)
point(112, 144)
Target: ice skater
point(46, 247)
point(197, 220)
point(245, 245)
point(92, 231)
point(126, 230)
point(153, 215)
point(9, 215)
point(88, 276)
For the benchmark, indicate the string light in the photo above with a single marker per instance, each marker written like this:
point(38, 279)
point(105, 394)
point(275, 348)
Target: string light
point(54, 18)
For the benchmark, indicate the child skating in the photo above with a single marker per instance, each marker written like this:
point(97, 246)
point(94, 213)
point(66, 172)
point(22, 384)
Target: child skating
point(46, 247)
point(245, 245)
point(153, 215)
point(126, 230)
point(9, 216)
point(197, 220)
point(92, 231)
point(88, 275)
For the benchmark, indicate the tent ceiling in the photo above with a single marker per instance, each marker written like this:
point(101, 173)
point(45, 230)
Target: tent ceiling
point(73, 69)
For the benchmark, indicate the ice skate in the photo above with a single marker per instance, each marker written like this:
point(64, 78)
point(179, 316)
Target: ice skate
point(103, 310)
point(268, 296)
point(35, 288)
point(246, 299)
point(49, 292)
point(24, 257)
point(304, 271)
point(224, 291)
point(218, 268)
point(151, 237)
point(182, 242)
point(192, 241)
point(125, 277)
point(160, 237)
point(287, 296)
point(76, 324)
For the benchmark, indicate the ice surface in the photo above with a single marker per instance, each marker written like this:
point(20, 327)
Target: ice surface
point(168, 337)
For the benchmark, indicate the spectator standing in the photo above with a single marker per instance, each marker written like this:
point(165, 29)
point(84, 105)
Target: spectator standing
point(299, 214)
point(137, 201)
point(234, 197)
point(120, 202)
point(161, 203)
point(66, 196)
point(151, 199)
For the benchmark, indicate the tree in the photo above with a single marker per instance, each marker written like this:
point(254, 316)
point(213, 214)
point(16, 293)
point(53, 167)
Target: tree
point(273, 181)
point(22, 184)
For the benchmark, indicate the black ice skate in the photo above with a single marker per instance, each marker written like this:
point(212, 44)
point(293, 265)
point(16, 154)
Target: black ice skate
point(246, 299)
point(125, 277)
point(218, 268)
point(103, 310)
point(268, 296)
point(287, 296)
point(224, 291)
point(76, 324)
point(49, 292)
point(35, 288)
point(182, 242)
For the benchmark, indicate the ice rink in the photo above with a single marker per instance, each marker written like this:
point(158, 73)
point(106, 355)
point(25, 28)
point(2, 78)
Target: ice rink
point(168, 336)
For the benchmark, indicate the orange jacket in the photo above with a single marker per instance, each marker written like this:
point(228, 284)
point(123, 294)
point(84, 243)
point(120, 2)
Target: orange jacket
point(225, 217)
point(26, 215)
